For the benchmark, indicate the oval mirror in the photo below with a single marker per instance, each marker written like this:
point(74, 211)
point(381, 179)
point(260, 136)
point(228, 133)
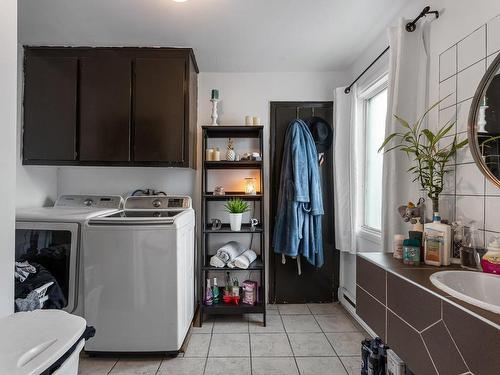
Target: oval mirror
point(484, 124)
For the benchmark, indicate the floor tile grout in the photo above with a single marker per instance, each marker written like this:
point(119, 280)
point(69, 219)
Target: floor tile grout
point(159, 366)
point(251, 356)
point(290, 343)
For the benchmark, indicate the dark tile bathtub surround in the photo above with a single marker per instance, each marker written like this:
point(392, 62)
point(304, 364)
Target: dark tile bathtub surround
point(372, 279)
point(409, 345)
point(438, 340)
point(423, 324)
point(372, 311)
point(419, 308)
point(478, 343)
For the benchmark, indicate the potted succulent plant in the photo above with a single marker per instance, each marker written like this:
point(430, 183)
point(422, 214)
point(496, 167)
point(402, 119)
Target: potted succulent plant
point(236, 208)
point(430, 152)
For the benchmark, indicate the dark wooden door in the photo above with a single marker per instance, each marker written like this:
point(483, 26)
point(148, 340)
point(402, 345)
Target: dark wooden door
point(50, 106)
point(159, 109)
point(105, 102)
point(315, 284)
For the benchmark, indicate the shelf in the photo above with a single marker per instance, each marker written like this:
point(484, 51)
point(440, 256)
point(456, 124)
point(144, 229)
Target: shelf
point(226, 228)
point(224, 164)
point(255, 265)
point(255, 134)
point(232, 194)
point(233, 131)
point(224, 308)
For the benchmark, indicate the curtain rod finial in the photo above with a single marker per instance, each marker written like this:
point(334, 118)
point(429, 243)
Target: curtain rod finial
point(347, 90)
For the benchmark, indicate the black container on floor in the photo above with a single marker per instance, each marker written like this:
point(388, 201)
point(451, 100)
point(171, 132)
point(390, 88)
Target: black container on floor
point(373, 356)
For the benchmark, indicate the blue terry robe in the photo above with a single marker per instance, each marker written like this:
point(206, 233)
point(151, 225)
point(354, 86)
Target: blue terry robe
point(300, 203)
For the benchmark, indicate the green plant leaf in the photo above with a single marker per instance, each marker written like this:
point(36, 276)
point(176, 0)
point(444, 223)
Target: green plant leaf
point(402, 122)
point(462, 144)
point(236, 206)
point(424, 148)
point(387, 140)
point(429, 135)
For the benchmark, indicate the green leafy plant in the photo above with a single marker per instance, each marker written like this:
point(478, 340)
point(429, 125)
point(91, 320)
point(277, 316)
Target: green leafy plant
point(430, 152)
point(236, 206)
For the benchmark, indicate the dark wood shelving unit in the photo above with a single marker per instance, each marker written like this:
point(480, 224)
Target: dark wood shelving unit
point(257, 264)
point(223, 164)
point(233, 131)
point(233, 194)
point(245, 228)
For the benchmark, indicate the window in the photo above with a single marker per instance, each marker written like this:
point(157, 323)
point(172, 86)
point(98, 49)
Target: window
point(373, 102)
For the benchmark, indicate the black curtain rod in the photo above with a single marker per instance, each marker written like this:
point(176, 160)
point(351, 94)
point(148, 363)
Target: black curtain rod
point(410, 27)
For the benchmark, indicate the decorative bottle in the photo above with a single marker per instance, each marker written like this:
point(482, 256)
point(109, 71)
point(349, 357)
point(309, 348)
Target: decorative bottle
point(230, 154)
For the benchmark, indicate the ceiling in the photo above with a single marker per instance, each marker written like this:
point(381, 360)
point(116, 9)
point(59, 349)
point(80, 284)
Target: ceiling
point(226, 35)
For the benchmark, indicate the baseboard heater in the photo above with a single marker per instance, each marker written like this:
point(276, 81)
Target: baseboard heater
point(349, 300)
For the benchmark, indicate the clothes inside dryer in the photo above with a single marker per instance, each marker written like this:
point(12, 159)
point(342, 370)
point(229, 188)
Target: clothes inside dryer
point(48, 251)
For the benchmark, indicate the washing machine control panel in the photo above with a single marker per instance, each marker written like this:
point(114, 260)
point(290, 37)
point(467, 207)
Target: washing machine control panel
point(158, 202)
point(90, 201)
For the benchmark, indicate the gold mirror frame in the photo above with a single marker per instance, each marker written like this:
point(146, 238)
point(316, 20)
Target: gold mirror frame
point(472, 123)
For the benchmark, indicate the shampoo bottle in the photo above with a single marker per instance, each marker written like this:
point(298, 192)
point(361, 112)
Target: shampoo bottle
point(437, 242)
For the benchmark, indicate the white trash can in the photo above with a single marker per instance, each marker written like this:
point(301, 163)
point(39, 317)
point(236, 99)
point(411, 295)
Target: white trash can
point(32, 342)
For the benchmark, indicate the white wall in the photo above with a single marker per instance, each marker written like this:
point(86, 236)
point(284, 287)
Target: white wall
point(123, 181)
point(8, 68)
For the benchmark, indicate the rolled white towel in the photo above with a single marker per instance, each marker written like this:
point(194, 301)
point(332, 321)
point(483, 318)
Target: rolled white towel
point(230, 251)
point(245, 259)
point(215, 261)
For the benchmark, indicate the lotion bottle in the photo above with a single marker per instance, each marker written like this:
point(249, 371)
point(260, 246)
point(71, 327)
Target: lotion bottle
point(433, 233)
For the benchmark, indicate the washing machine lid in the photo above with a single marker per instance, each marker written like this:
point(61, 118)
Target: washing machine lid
point(145, 210)
point(32, 341)
point(72, 208)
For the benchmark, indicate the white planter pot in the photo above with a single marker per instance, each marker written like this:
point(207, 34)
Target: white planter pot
point(235, 221)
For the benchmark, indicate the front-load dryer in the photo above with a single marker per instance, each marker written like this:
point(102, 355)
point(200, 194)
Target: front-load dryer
point(50, 237)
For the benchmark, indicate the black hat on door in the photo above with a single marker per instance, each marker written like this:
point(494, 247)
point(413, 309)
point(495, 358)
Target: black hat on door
point(322, 133)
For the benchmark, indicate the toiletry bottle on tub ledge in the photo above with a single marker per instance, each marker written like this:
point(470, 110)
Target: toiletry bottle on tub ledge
point(491, 260)
point(437, 242)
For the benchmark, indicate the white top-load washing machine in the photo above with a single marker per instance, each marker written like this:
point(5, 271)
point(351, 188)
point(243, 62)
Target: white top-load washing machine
point(51, 237)
point(139, 275)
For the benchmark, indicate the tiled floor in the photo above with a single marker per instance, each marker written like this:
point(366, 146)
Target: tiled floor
point(299, 339)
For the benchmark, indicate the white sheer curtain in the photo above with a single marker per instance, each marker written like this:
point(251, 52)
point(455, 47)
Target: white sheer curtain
point(345, 171)
point(407, 97)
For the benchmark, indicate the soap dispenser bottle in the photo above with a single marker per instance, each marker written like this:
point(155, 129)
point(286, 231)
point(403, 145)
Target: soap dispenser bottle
point(491, 260)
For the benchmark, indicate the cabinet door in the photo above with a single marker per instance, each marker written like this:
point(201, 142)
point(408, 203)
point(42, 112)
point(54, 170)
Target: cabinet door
point(105, 89)
point(159, 113)
point(50, 102)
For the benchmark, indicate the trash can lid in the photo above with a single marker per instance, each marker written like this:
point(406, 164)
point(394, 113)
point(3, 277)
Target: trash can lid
point(30, 342)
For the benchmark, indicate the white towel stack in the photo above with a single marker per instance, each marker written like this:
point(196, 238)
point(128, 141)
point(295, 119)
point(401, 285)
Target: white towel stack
point(233, 254)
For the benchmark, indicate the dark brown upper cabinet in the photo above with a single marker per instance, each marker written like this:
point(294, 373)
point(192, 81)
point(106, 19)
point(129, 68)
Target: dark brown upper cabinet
point(158, 98)
point(105, 86)
point(50, 108)
point(110, 106)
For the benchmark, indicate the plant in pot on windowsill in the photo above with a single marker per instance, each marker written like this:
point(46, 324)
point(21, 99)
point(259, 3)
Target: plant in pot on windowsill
point(430, 153)
point(236, 208)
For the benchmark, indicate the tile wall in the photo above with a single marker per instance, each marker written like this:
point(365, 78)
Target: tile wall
point(468, 194)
